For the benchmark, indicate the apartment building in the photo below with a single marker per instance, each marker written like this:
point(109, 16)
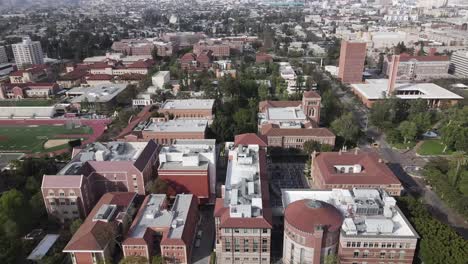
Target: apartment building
point(173, 226)
point(243, 217)
point(373, 228)
point(354, 169)
point(95, 170)
point(189, 166)
point(27, 53)
point(95, 241)
point(459, 64)
point(419, 67)
point(351, 64)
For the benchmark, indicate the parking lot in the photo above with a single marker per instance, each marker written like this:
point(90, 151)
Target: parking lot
point(285, 175)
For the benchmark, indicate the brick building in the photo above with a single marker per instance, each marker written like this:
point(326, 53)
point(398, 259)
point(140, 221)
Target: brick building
point(173, 227)
point(289, 124)
point(95, 240)
point(352, 58)
point(32, 74)
point(197, 62)
point(188, 108)
point(243, 216)
point(351, 170)
point(166, 132)
point(96, 170)
point(217, 48)
point(418, 67)
point(373, 231)
point(189, 166)
point(262, 57)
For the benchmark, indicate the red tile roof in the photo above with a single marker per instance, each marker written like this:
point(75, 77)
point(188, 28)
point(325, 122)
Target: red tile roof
point(95, 235)
point(99, 77)
point(374, 170)
point(307, 214)
point(311, 94)
point(141, 64)
point(250, 139)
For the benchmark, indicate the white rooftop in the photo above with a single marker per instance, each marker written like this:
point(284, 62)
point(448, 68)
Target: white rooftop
point(43, 247)
point(189, 104)
point(178, 125)
point(376, 88)
point(285, 113)
point(155, 215)
point(242, 188)
point(98, 93)
point(193, 154)
point(367, 212)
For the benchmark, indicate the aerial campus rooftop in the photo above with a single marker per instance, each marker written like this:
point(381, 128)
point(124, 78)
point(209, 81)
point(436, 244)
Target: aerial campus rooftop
point(206, 104)
point(289, 116)
point(176, 125)
point(367, 212)
point(188, 154)
point(99, 93)
point(110, 151)
point(156, 215)
point(243, 190)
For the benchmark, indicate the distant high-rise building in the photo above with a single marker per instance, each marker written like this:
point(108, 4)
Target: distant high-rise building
point(459, 63)
point(28, 53)
point(352, 57)
point(3, 55)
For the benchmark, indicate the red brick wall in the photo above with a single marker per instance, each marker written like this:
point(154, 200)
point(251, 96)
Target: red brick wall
point(194, 182)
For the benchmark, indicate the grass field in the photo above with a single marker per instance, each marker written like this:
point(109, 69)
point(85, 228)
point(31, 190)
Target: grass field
point(32, 138)
point(432, 147)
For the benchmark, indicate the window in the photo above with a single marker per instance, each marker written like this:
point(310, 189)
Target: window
point(356, 254)
point(382, 254)
point(365, 254)
point(348, 244)
point(365, 244)
point(401, 255)
point(265, 231)
point(227, 230)
point(227, 245)
point(236, 231)
point(353, 244)
point(358, 244)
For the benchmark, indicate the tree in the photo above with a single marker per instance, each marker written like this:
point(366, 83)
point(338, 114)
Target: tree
point(263, 92)
point(134, 260)
point(347, 128)
point(158, 186)
point(408, 130)
point(331, 259)
point(311, 145)
point(75, 225)
point(157, 260)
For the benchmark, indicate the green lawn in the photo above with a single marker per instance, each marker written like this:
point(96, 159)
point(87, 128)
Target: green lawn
point(32, 138)
point(403, 146)
point(27, 102)
point(433, 147)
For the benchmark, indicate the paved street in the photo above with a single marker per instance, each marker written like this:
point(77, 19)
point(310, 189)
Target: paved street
point(201, 255)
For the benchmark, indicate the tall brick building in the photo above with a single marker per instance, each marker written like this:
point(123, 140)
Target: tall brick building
point(352, 58)
point(96, 170)
point(243, 216)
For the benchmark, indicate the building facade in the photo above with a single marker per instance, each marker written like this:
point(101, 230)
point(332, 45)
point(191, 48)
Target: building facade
point(353, 170)
point(419, 67)
point(3, 55)
point(28, 53)
point(352, 58)
point(188, 108)
point(189, 166)
point(459, 64)
point(243, 218)
point(96, 170)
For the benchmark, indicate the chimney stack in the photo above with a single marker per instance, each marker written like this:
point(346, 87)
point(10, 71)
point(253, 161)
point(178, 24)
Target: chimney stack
point(393, 74)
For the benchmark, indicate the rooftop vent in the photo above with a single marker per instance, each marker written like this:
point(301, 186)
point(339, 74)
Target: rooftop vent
point(105, 213)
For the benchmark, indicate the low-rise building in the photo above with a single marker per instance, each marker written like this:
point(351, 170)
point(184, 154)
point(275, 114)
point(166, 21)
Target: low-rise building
point(419, 67)
point(28, 90)
point(262, 57)
point(189, 166)
point(95, 241)
point(34, 73)
point(188, 108)
point(355, 169)
point(459, 63)
point(373, 228)
point(243, 217)
point(98, 98)
point(173, 227)
point(95, 170)
point(166, 132)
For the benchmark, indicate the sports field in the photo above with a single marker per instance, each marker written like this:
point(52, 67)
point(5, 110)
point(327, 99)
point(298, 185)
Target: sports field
point(31, 138)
